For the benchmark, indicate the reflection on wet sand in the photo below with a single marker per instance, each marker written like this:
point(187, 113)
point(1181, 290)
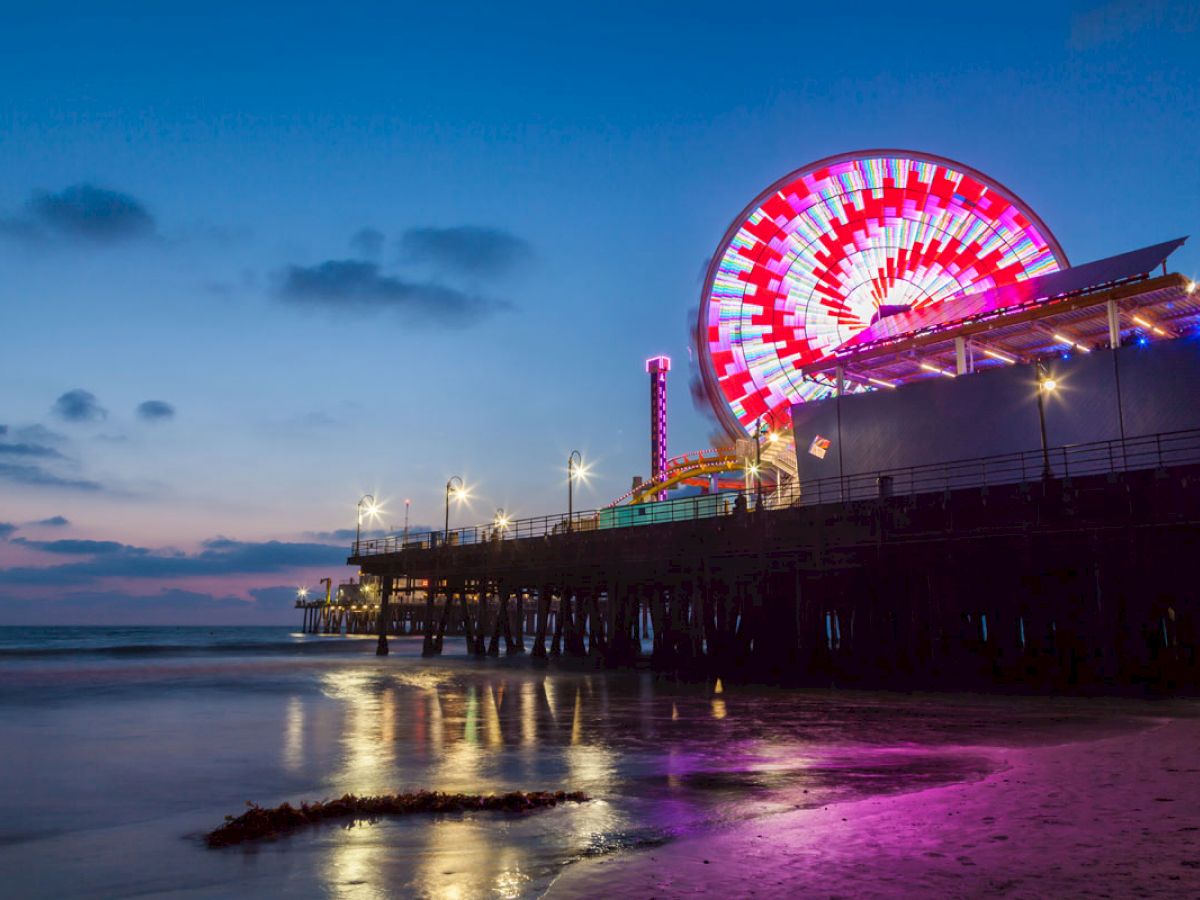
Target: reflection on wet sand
point(368, 739)
point(141, 770)
point(293, 736)
point(659, 761)
point(355, 866)
point(529, 695)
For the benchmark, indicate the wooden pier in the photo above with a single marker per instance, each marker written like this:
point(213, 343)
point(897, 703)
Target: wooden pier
point(405, 616)
point(1075, 581)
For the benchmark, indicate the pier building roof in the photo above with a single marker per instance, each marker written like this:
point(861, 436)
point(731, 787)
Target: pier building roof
point(1117, 300)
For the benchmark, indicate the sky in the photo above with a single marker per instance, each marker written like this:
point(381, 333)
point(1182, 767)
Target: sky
point(261, 259)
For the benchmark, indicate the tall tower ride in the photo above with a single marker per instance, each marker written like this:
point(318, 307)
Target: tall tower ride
point(658, 367)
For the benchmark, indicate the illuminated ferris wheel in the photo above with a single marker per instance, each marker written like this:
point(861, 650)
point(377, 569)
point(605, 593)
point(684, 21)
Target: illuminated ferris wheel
point(837, 245)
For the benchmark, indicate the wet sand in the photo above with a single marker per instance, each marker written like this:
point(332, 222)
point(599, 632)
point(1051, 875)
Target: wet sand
point(122, 749)
point(1114, 817)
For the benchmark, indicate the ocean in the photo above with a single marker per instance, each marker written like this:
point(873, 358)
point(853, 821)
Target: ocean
point(121, 747)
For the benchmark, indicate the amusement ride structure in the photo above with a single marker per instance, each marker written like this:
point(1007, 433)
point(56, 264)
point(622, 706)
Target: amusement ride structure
point(817, 258)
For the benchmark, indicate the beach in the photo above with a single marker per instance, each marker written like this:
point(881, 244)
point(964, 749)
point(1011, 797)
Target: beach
point(1116, 817)
point(122, 747)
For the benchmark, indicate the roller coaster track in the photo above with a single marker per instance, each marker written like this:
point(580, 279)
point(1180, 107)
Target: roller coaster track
point(704, 463)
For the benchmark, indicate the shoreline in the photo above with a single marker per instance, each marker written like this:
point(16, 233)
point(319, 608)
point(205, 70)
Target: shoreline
point(1115, 816)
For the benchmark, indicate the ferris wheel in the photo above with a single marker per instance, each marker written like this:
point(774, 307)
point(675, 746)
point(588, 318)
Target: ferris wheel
point(833, 247)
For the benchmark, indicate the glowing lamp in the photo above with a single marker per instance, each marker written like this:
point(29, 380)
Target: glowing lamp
point(658, 364)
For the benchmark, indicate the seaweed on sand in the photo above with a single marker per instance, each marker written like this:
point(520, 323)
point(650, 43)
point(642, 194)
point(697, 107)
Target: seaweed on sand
point(257, 822)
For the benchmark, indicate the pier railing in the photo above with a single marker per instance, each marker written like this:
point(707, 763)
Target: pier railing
point(1155, 451)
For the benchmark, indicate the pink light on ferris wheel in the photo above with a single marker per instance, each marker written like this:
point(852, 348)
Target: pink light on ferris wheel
point(832, 247)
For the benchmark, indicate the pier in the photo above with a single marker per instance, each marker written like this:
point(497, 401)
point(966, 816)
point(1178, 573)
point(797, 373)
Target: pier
point(973, 574)
point(406, 615)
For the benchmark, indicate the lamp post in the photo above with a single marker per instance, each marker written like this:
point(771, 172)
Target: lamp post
point(499, 524)
point(1045, 385)
point(758, 463)
point(371, 510)
point(574, 466)
point(407, 504)
point(456, 485)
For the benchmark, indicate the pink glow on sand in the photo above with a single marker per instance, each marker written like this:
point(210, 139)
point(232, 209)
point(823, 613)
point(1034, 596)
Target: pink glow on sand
point(1114, 817)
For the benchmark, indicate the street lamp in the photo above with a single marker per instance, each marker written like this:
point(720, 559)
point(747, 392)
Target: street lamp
point(500, 524)
point(456, 487)
point(575, 469)
point(758, 463)
point(1045, 385)
point(407, 504)
point(301, 593)
point(372, 510)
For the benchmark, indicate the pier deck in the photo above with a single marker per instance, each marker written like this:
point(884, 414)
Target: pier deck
point(969, 574)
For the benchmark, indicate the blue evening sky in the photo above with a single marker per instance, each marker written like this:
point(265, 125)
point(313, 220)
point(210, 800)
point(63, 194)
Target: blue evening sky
point(365, 246)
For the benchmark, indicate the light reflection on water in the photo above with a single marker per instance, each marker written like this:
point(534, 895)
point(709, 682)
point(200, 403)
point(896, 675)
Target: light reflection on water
point(293, 736)
point(660, 758)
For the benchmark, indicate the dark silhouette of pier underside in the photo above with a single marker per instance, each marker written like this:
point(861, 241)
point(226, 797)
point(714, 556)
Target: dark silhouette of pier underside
point(1070, 582)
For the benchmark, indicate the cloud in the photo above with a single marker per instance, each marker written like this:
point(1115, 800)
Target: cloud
point(346, 285)
point(22, 458)
point(79, 547)
point(6, 529)
point(342, 536)
point(168, 606)
point(37, 434)
point(83, 213)
point(155, 411)
point(219, 556)
point(53, 522)
point(79, 406)
point(36, 476)
point(23, 449)
point(466, 249)
point(367, 243)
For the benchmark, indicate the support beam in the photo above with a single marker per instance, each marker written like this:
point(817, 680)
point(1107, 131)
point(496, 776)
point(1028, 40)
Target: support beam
point(385, 595)
point(1011, 357)
point(1114, 324)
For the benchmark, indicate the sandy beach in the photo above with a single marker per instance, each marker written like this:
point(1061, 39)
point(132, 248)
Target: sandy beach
point(1117, 817)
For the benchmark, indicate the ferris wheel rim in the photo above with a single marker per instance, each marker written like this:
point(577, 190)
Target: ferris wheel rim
point(711, 383)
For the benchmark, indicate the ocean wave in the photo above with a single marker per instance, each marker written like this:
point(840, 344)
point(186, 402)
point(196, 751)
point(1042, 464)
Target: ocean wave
point(295, 647)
